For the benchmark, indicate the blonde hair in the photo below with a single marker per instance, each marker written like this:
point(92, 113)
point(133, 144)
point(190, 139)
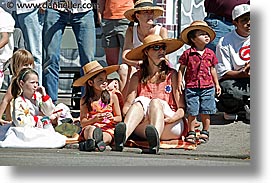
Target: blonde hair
point(20, 58)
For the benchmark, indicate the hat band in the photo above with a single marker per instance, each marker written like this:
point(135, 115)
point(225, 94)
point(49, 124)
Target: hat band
point(144, 4)
point(98, 67)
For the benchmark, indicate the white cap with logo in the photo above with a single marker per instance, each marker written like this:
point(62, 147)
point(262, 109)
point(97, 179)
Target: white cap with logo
point(240, 10)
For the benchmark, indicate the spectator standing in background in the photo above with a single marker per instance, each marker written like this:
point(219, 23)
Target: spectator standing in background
point(6, 40)
point(114, 26)
point(56, 19)
point(219, 17)
point(30, 20)
point(233, 69)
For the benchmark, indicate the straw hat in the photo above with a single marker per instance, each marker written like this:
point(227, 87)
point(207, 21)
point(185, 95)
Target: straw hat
point(198, 24)
point(91, 69)
point(137, 53)
point(143, 5)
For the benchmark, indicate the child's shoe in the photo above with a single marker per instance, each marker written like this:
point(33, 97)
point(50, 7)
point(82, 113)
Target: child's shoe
point(98, 137)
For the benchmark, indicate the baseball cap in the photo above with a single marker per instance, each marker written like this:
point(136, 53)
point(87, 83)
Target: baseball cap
point(240, 10)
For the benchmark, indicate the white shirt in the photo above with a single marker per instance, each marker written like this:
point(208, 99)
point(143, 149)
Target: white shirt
point(6, 25)
point(232, 51)
point(136, 41)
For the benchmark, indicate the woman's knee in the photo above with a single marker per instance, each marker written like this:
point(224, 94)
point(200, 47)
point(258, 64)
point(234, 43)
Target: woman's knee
point(123, 70)
point(155, 104)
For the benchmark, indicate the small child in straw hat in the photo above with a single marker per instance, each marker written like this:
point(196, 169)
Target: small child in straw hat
point(201, 82)
point(99, 108)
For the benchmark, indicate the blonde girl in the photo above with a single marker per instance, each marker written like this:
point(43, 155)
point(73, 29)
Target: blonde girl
point(20, 59)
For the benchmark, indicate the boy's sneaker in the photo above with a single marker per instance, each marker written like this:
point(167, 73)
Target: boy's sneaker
point(230, 117)
point(247, 112)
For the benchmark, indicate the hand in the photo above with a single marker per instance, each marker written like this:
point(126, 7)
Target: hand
point(180, 87)
point(218, 90)
point(247, 68)
point(109, 115)
point(41, 90)
point(99, 117)
point(168, 120)
point(4, 122)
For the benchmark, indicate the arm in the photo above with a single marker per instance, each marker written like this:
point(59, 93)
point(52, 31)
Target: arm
point(46, 106)
point(163, 33)
point(180, 76)
point(116, 109)
point(215, 79)
point(101, 8)
point(5, 101)
point(242, 73)
point(132, 93)
point(4, 39)
point(128, 46)
point(84, 117)
point(179, 98)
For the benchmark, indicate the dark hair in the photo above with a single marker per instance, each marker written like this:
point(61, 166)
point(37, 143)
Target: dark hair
point(163, 66)
point(89, 94)
point(23, 75)
point(191, 35)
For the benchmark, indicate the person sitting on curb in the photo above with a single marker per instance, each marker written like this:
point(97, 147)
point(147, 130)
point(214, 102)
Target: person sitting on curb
point(99, 108)
point(154, 109)
point(233, 68)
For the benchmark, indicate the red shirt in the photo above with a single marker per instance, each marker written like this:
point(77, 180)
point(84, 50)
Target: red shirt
point(161, 90)
point(198, 74)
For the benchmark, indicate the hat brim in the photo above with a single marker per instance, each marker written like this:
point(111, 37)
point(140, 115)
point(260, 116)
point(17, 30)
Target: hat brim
point(158, 11)
point(207, 29)
point(137, 53)
point(82, 80)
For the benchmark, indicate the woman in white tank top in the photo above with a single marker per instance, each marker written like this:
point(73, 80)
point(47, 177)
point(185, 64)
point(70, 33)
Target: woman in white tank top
point(143, 15)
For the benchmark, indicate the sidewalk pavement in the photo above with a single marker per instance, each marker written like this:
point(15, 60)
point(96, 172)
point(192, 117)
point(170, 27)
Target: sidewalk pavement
point(227, 139)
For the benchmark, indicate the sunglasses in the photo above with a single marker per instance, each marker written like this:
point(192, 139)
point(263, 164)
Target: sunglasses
point(158, 47)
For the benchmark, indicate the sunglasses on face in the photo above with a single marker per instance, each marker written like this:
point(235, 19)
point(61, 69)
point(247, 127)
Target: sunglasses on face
point(158, 47)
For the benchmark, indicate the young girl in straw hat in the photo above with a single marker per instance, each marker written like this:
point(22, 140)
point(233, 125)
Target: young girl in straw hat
point(154, 109)
point(142, 15)
point(201, 81)
point(99, 108)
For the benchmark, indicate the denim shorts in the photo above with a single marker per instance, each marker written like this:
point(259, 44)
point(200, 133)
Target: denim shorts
point(200, 101)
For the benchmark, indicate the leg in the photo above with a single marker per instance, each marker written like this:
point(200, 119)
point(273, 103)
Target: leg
point(233, 93)
point(55, 23)
point(191, 136)
point(125, 72)
point(84, 29)
point(112, 55)
point(204, 136)
point(94, 138)
point(155, 129)
point(124, 129)
point(31, 24)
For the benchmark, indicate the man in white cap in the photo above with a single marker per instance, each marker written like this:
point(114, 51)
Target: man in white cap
point(233, 69)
